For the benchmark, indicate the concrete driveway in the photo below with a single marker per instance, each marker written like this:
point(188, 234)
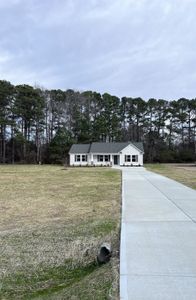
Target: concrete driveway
point(158, 238)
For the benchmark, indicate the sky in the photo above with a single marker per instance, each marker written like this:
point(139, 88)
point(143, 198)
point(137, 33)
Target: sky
point(133, 48)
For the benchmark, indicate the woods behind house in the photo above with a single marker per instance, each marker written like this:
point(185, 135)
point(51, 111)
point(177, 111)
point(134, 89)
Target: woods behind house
point(39, 125)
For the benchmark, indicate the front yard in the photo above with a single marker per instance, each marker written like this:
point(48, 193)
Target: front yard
point(184, 173)
point(52, 222)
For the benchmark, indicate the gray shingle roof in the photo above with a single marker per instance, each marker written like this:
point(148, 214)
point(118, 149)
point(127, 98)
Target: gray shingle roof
point(107, 147)
point(103, 147)
point(139, 145)
point(80, 148)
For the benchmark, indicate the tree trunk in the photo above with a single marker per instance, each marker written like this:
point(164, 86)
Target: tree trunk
point(189, 128)
point(37, 141)
point(4, 144)
point(1, 144)
point(13, 144)
point(25, 142)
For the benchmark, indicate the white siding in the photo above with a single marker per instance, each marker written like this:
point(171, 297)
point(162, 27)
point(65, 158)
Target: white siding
point(130, 150)
point(100, 163)
point(79, 163)
point(92, 158)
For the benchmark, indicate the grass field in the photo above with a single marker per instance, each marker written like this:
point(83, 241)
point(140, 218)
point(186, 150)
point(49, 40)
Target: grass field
point(52, 223)
point(184, 173)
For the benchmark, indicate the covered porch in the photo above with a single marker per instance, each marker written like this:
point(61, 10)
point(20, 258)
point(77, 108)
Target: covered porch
point(105, 159)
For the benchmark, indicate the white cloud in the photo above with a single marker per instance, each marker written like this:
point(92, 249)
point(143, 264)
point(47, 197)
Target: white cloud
point(123, 47)
point(5, 57)
point(9, 3)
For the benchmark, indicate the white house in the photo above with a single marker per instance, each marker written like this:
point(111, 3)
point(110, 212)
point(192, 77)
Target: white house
point(107, 154)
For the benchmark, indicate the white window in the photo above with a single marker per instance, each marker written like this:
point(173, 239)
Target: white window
point(100, 158)
point(127, 158)
point(77, 158)
point(134, 158)
point(84, 157)
point(107, 158)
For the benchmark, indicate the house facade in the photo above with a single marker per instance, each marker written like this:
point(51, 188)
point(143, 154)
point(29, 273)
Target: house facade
point(107, 154)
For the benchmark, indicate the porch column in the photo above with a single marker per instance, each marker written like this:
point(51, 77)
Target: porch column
point(91, 158)
point(111, 161)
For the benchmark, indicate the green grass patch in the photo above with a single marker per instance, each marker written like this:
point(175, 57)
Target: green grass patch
point(53, 222)
point(44, 281)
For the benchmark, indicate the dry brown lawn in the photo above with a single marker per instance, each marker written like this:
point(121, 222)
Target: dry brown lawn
point(184, 173)
point(52, 222)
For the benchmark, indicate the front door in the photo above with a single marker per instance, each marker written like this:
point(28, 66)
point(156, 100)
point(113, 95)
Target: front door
point(115, 159)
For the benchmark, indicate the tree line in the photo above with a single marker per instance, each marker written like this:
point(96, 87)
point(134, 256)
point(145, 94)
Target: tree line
point(39, 125)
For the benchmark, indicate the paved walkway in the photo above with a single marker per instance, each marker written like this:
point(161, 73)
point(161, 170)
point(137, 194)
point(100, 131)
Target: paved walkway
point(158, 238)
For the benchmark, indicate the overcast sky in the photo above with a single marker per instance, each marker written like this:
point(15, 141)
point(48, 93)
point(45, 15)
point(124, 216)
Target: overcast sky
point(133, 48)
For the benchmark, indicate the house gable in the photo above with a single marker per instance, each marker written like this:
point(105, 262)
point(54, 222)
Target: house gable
point(131, 151)
point(127, 148)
